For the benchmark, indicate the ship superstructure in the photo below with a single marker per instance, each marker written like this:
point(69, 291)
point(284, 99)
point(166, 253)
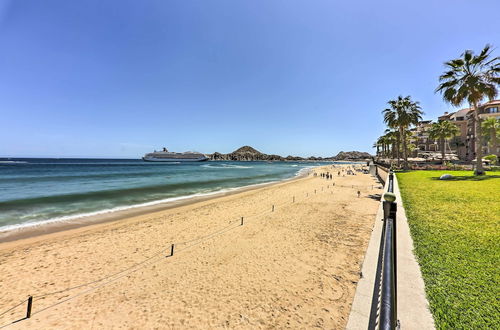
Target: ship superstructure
point(167, 156)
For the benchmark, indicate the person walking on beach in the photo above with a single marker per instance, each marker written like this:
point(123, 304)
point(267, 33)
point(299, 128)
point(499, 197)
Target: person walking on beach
point(359, 193)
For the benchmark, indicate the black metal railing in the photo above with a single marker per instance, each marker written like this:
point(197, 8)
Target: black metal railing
point(390, 187)
point(383, 314)
point(388, 289)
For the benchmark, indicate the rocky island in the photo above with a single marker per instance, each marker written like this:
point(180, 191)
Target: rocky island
point(247, 153)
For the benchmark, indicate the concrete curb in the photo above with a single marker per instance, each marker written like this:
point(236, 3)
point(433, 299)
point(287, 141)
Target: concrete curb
point(413, 308)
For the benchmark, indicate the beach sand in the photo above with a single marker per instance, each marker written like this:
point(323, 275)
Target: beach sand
point(296, 267)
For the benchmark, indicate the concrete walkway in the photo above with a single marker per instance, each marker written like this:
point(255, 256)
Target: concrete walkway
point(413, 308)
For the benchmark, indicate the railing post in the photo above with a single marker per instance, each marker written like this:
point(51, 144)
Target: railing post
point(28, 309)
point(386, 206)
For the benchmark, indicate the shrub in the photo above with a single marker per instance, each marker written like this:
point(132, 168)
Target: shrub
point(492, 158)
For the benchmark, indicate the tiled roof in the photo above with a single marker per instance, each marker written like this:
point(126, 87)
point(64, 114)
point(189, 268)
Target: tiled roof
point(460, 113)
point(494, 102)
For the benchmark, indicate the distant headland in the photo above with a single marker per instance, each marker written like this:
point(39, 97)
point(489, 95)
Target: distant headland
point(247, 153)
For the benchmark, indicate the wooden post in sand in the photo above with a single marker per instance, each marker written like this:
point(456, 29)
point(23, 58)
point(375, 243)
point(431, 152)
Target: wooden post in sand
point(172, 250)
point(28, 309)
point(273, 209)
point(241, 221)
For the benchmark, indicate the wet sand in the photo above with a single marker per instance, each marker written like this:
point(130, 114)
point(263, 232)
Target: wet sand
point(59, 226)
point(296, 267)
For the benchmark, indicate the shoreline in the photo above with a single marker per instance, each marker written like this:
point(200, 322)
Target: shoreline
point(294, 265)
point(56, 226)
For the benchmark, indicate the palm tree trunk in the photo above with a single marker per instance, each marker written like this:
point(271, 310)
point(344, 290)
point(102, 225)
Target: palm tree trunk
point(441, 142)
point(479, 146)
point(405, 154)
point(398, 138)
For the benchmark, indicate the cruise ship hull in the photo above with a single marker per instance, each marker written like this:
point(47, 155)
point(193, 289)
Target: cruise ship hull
point(173, 160)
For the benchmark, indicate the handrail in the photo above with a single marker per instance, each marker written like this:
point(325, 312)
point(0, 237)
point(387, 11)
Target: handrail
point(390, 187)
point(388, 295)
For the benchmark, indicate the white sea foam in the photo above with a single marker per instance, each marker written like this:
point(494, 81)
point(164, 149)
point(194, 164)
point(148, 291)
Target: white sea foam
point(83, 216)
point(304, 171)
point(80, 216)
point(225, 166)
point(12, 162)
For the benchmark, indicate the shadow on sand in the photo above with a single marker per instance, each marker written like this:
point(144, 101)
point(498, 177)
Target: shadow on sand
point(375, 196)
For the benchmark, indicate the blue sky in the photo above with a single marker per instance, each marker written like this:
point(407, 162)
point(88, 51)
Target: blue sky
point(120, 78)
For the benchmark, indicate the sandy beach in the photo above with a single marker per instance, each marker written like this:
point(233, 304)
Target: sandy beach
point(296, 267)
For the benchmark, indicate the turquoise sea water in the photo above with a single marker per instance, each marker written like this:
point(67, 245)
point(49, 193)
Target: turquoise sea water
point(34, 191)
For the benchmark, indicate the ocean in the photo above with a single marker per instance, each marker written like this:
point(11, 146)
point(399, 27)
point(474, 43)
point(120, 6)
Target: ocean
point(37, 191)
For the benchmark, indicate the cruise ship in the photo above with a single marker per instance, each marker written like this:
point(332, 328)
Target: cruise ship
point(167, 156)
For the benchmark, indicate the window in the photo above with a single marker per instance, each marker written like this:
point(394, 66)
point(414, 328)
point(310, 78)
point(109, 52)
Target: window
point(492, 110)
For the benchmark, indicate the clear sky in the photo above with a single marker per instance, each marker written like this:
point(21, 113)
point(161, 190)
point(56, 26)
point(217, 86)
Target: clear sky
point(121, 78)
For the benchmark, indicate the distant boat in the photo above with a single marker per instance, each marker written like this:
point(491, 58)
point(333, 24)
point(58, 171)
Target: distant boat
point(167, 156)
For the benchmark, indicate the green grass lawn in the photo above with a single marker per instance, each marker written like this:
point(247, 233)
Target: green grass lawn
point(455, 227)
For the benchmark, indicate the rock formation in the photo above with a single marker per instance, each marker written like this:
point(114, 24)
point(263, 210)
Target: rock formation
point(247, 153)
point(352, 155)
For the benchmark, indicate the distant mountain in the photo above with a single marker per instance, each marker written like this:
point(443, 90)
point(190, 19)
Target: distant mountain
point(352, 155)
point(247, 153)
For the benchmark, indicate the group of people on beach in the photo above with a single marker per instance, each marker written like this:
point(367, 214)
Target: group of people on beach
point(327, 176)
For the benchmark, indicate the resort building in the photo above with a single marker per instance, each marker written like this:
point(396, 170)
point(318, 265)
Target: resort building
point(420, 138)
point(464, 143)
point(461, 146)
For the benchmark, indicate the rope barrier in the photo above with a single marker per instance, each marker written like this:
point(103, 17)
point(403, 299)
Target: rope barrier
point(22, 302)
point(101, 279)
point(137, 266)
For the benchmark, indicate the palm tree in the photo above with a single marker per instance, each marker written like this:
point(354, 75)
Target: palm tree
point(442, 131)
point(392, 140)
point(393, 134)
point(402, 114)
point(471, 78)
point(491, 127)
point(376, 145)
point(381, 143)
